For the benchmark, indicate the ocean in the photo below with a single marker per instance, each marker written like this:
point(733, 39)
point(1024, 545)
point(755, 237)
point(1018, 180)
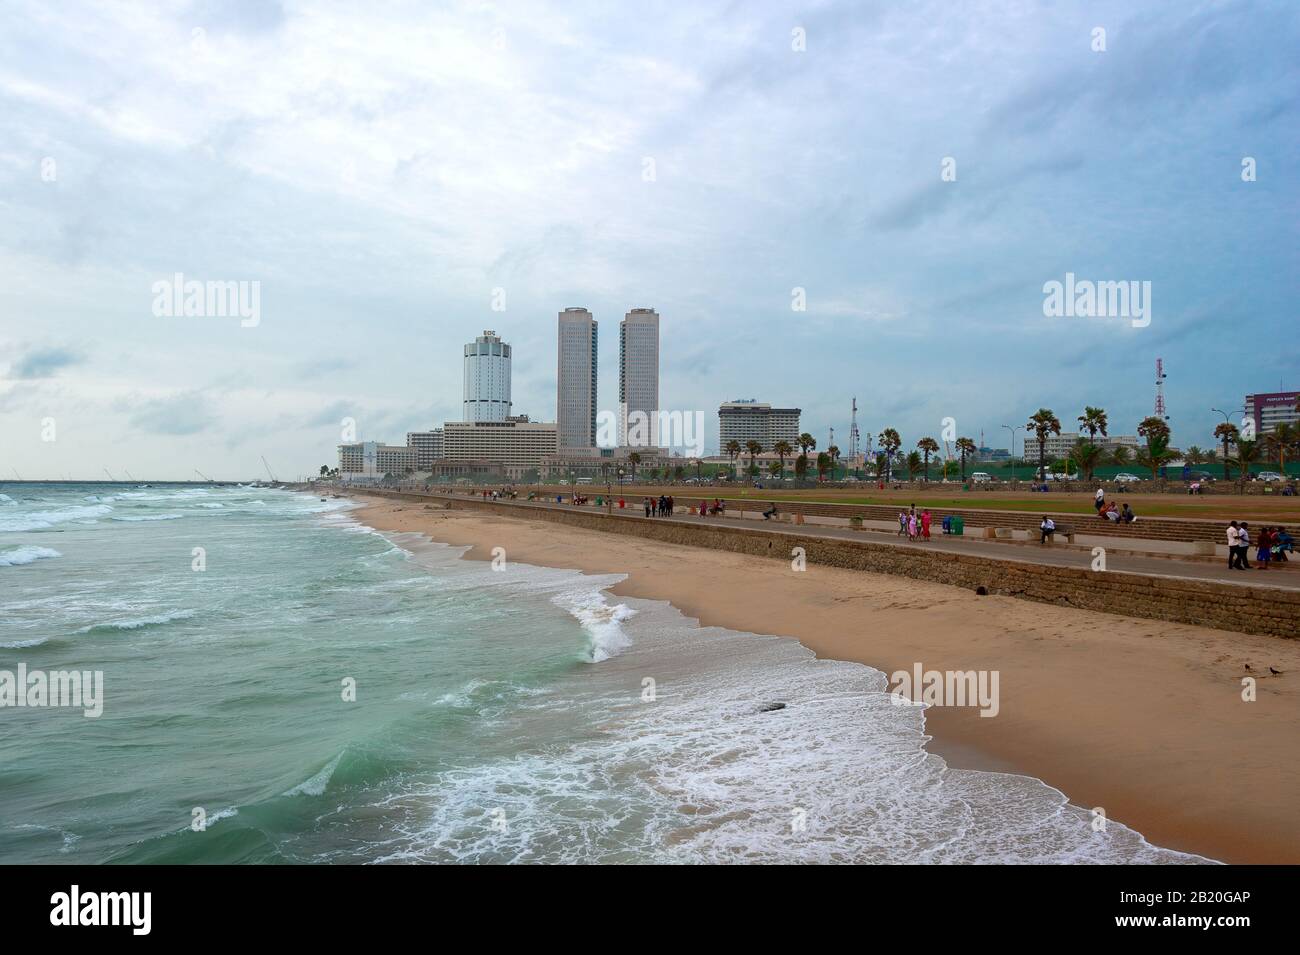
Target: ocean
point(302, 689)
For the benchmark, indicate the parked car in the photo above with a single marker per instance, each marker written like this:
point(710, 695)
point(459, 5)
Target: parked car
point(1205, 477)
point(981, 477)
point(1270, 476)
point(1126, 478)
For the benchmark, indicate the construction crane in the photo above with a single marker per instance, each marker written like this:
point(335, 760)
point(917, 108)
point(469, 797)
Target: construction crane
point(204, 476)
point(110, 475)
point(268, 471)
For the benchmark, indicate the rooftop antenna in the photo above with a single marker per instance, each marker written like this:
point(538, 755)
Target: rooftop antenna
point(1160, 390)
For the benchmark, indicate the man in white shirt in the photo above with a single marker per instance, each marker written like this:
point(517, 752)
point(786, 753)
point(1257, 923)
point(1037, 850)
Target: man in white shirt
point(1232, 546)
point(1048, 527)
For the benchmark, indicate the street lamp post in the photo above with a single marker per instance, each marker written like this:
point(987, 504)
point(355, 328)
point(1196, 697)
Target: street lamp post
point(1013, 431)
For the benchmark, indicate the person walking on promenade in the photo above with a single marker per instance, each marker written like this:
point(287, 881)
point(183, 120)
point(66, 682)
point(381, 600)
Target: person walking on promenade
point(925, 524)
point(671, 502)
point(647, 507)
point(704, 508)
point(912, 530)
point(1243, 546)
point(1232, 545)
point(1265, 544)
point(902, 523)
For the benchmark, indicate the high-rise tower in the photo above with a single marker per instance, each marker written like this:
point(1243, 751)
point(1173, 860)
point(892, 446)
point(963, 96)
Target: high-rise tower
point(575, 398)
point(638, 379)
point(486, 395)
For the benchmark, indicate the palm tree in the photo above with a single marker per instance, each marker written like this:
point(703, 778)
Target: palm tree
point(324, 470)
point(890, 442)
point(801, 467)
point(834, 452)
point(823, 464)
point(698, 464)
point(733, 452)
point(783, 450)
point(806, 442)
point(929, 446)
point(1086, 456)
point(775, 469)
point(1156, 431)
point(1042, 423)
point(753, 449)
point(1093, 420)
point(1118, 456)
point(1280, 440)
point(1194, 455)
point(1229, 433)
point(913, 464)
point(1247, 454)
point(634, 459)
point(965, 446)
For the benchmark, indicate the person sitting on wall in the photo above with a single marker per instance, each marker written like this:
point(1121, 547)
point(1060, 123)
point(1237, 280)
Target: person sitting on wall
point(1048, 528)
point(770, 512)
point(1127, 515)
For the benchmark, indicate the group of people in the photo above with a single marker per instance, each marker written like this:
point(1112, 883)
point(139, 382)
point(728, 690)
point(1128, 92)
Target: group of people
point(661, 506)
point(1112, 511)
point(914, 526)
point(1272, 543)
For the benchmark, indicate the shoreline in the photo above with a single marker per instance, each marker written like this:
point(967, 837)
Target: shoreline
point(1140, 717)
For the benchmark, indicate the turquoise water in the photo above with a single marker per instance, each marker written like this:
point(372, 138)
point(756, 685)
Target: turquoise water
point(499, 715)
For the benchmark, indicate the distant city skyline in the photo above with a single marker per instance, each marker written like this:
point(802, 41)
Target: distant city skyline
point(816, 220)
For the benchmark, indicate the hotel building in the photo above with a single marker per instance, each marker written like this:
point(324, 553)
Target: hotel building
point(516, 443)
point(427, 445)
point(747, 420)
point(487, 379)
point(372, 459)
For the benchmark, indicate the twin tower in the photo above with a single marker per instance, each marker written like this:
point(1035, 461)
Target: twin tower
point(487, 375)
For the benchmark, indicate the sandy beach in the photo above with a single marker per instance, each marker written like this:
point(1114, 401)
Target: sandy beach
point(1142, 718)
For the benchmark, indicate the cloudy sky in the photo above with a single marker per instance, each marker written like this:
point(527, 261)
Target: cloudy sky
point(381, 168)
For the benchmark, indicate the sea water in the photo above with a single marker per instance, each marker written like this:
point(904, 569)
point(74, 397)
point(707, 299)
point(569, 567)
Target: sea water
point(284, 685)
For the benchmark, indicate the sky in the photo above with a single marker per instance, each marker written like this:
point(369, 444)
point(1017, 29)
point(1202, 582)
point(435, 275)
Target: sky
point(386, 173)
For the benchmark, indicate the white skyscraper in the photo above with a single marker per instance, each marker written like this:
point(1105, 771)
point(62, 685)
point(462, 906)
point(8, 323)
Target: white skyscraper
point(575, 400)
point(638, 379)
point(487, 379)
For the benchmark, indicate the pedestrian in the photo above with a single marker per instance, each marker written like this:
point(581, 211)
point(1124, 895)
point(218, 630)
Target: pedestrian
point(647, 507)
point(1099, 499)
point(1265, 543)
point(912, 531)
point(902, 523)
point(671, 502)
point(1232, 545)
point(1243, 546)
point(925, 524)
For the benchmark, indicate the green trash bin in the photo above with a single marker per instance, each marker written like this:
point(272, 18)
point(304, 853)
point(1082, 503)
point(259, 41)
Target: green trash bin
point(957, 525)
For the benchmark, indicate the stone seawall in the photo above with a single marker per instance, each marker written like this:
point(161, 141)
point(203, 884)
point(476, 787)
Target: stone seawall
point(1201, 602)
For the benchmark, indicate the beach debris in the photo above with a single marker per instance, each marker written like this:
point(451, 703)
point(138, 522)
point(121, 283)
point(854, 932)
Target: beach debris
point(770, 707)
